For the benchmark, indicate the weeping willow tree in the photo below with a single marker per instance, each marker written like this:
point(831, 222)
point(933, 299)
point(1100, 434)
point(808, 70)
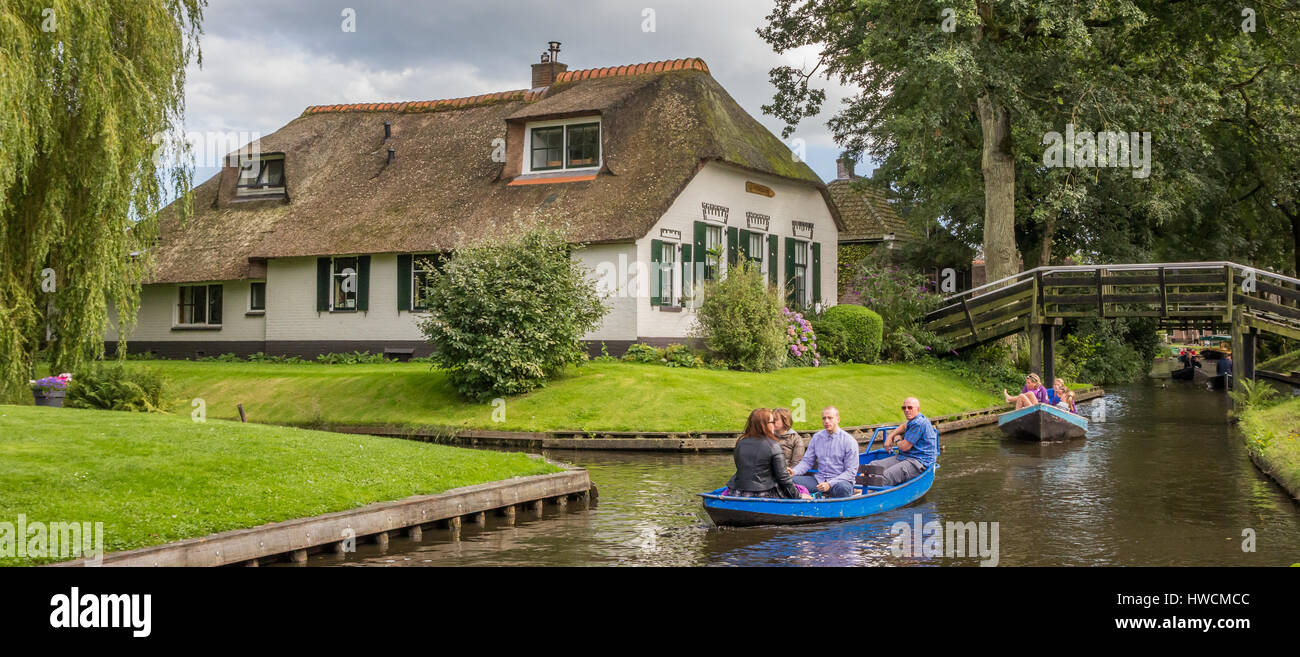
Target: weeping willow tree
point(86, 87)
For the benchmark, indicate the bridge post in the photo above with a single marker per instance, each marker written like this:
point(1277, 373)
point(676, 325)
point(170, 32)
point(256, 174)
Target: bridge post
point(1049, 354)
point(1248, 354)
point(1243, 349)
point(1036, 348)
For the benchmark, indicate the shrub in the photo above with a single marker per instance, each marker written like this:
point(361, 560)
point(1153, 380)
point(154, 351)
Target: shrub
point(260, 357)
point(114, 388)
point(901, 300)
point(1252, 395)
point(353, 358)
point(850, 333)
point(740, 320)
point(800, 340)
point(642, 353)
point(1103, 351)
point(504, 316)
point(680, 355)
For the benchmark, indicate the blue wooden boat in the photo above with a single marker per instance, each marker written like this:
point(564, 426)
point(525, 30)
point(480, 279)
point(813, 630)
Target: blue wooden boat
point(748, 511)
point(1043, 422)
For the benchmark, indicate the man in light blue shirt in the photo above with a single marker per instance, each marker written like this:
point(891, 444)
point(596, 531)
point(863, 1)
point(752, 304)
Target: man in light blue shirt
point(918, 445)
point(834, 453)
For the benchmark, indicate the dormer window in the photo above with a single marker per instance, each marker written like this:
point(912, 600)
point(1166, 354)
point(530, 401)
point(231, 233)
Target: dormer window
point(570, 144)
point(261, 176)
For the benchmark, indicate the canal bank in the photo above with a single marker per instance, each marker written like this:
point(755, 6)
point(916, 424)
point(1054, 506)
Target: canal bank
point(1161, 480)
point(339, 533)
point(657, 441)
point(1272, 436)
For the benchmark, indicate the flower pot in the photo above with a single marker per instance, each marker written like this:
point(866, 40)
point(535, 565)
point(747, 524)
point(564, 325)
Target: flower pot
point(52, 398)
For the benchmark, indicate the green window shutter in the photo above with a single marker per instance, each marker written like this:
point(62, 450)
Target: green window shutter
point(404, 282)
point(656, 274)
point(688, 273)
point(789, 272)
point(363, 283)
point(742, 243)
point(773, 269)
point(322, 285)
point(733, 240)
point(701, 254)
point(817, 272)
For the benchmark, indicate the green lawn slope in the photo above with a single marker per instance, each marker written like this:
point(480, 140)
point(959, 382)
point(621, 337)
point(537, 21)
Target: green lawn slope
point(596, 396)
point(155, 479)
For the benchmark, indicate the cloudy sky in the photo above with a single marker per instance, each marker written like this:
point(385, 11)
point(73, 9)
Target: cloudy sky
point(264, 61)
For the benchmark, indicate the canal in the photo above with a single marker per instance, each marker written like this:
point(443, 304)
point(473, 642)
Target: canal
point(1162, 479)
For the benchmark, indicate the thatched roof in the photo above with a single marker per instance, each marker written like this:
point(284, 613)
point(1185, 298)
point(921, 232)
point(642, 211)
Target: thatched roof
point(866, 211)
point(661, 123)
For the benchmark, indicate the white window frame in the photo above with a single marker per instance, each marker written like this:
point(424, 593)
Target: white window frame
point(251, 310)
point(415, 278)
point(673, 268)
point(248, 164)
point(564, 148)
point(762, 249)
point(801, 246)
point(356, 276)
point(207, 306)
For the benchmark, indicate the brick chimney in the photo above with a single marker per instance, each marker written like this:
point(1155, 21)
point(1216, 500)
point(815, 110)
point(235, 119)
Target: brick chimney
point(844, 167)
point(544, 72)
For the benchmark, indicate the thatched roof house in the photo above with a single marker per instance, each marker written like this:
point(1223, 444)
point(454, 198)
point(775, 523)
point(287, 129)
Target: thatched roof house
point(865, 210)
point(616, 157)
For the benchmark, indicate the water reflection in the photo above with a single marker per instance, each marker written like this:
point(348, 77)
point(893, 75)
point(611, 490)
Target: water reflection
point(1162, 479)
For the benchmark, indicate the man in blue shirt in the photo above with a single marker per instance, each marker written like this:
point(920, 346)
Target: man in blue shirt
point(918, 445)
point(834, 453)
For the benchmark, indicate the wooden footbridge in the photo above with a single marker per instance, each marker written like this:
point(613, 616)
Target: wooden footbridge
point(1215, 296)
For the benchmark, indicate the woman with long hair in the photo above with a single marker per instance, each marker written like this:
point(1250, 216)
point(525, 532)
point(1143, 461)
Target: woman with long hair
point(792, 444)
point(760, 465)
point(1032, 393)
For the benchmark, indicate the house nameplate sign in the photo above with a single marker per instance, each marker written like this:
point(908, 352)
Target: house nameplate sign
point(670, 234)
point(761, 190)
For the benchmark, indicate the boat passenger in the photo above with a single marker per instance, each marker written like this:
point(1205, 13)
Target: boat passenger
point(834, 453)
point(1224, 366)
point(918, 445)
point(760, 467)
point(1067, 402)
point(1032, 393)
point(792, 444)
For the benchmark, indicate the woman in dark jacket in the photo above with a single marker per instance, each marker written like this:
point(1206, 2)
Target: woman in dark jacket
point(760, 465)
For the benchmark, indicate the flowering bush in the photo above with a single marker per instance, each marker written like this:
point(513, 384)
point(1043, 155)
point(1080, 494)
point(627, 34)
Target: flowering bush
point(800, 340)
point(51, 383)
point(901, 299)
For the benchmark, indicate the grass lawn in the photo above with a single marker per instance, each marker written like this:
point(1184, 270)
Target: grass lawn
point(1286, 363)
point(154, 479)
point(597, 396)
point(1274, 435)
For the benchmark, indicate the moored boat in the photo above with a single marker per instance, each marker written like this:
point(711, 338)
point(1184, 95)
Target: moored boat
point(1043, 422)
point(727, 510)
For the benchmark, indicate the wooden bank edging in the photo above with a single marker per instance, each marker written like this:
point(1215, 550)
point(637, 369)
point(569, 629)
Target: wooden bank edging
point(661, 441)
point(373, 522)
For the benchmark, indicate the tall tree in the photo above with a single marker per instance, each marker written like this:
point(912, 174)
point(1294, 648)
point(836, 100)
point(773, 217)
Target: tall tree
point(85, 85)
point(950, 87)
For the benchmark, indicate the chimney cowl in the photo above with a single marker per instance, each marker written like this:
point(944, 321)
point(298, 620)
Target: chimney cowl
point(388, 130)
point(544, 72)
point(392, 154)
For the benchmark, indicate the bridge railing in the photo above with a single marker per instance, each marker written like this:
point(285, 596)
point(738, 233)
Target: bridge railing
point(1217, 293)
